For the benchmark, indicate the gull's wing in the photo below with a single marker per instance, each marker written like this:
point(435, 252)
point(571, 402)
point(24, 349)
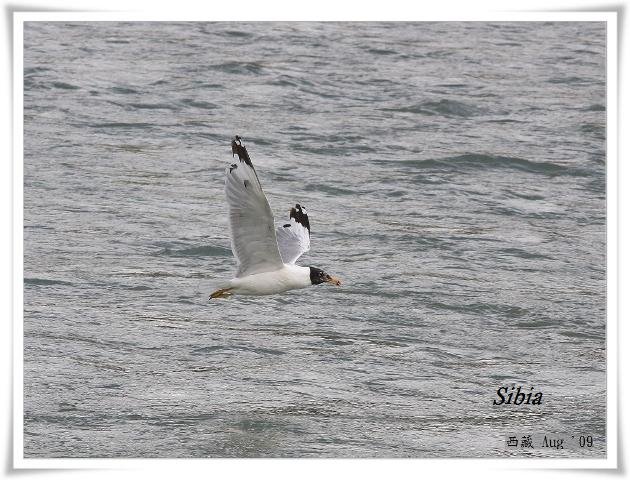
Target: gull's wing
point(253, 237)
point(294, 238)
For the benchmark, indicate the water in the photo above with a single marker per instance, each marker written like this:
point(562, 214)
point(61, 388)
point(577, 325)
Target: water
point(454, 175)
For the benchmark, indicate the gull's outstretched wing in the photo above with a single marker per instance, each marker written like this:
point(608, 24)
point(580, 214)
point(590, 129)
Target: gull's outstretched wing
point(294, 238)
point(253, 237)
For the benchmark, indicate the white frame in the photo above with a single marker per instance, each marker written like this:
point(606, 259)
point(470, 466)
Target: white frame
point(376, 466)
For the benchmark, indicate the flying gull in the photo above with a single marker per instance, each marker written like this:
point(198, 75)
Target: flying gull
point(265, 255)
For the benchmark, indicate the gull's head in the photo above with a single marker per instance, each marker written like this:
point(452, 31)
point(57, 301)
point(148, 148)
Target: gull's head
point(319, 276)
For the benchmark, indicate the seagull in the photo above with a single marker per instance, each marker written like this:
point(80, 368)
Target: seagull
point(265, 255)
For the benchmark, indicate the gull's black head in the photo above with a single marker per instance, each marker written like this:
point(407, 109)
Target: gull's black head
point(319, 276)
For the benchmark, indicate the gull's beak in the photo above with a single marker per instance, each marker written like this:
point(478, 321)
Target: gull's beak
point(334, 281)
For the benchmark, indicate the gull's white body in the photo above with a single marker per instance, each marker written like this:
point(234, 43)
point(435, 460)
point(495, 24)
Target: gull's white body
point(265, 254)
point(289, 277)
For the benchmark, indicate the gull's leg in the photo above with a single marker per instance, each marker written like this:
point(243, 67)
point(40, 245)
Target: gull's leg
point(221, 293)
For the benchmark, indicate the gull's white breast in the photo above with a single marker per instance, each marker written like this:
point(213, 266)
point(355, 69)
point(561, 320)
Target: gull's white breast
point(288, 277)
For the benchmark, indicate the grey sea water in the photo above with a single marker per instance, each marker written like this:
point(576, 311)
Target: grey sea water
point(454, 174)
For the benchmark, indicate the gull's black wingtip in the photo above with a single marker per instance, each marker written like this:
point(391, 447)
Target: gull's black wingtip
point(239, 149)
point(299, 214)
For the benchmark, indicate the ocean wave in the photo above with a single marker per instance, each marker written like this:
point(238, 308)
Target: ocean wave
point(596, 107)
point(44, 281)
point(473, 161)
point(330, 189)
point(199, 251)
point(381, 51)
point(520, 253)
point(236, 348)
point(236, 34)
point(239, 68)
point(31, 71)
point(567, 80)
point(64, 86)
point(447, 108)
point(151, 106)
point(121, 125)
point(123, 90)
point(198, 103)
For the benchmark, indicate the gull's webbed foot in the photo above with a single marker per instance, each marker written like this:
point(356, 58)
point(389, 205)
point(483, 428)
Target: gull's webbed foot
point(221, 293)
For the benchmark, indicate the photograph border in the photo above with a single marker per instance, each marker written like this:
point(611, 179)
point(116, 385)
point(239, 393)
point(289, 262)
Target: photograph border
point(610, 18)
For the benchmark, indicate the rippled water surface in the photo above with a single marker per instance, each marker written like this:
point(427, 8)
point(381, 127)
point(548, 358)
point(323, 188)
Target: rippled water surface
point(454, 175)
